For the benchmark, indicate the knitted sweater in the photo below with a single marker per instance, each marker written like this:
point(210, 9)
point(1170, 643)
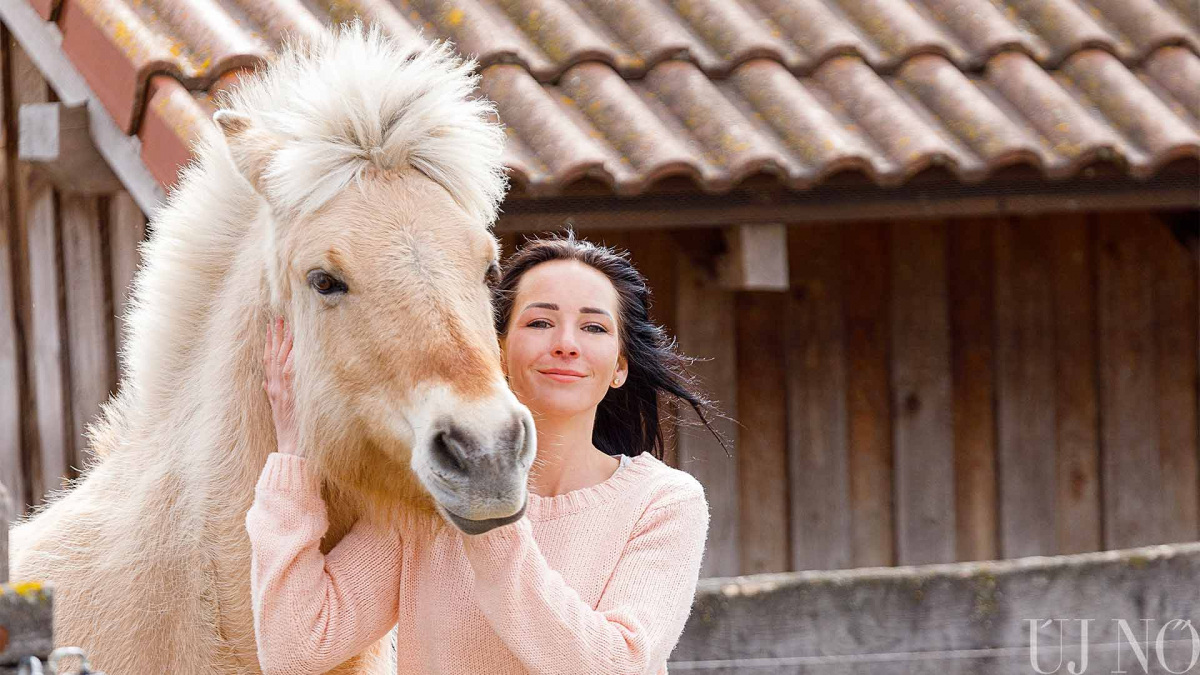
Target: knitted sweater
point(597, 580)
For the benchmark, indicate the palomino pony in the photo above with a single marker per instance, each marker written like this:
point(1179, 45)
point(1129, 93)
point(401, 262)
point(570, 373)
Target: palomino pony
point(350, 189)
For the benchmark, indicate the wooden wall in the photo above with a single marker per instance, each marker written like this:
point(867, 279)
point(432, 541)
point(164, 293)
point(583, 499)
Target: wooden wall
point(66, 261)
point(942, 391)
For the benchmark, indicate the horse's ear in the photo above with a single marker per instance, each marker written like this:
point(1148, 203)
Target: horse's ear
point(250, 146)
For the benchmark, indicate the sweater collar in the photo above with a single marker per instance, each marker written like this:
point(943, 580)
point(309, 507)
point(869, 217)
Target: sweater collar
point(546, 508)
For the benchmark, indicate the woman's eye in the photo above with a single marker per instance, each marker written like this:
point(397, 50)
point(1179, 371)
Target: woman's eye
point(492, 276)
point(325, 283)
point(538, 323)
point(598, 328)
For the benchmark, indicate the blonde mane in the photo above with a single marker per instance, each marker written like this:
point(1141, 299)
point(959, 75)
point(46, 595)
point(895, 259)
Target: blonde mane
point(326, 101)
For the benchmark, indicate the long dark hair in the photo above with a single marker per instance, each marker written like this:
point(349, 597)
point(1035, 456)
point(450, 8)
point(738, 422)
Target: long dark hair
point(627, 420)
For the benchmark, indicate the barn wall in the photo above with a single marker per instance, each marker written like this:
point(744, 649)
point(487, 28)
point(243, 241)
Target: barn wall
point(943, 391)
point(66, 263)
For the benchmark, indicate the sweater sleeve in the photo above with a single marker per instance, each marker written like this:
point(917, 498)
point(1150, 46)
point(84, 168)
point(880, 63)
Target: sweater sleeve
point(314, 611)
point(639, 618)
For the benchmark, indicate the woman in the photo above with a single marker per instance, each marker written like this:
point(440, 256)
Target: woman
point(597, 577)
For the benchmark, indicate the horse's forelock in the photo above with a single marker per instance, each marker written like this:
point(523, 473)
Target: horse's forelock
point(355, 98)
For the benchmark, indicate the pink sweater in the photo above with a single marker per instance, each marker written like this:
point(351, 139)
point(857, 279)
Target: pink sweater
point(598, 580)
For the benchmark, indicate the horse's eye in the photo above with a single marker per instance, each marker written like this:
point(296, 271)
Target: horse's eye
point(492, 277)
point(324, 283)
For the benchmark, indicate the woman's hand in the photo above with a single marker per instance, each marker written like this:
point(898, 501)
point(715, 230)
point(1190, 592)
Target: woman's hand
point(277, 365)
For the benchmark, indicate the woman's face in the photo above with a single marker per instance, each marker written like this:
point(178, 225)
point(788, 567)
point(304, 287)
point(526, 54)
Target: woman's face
point(561, 350)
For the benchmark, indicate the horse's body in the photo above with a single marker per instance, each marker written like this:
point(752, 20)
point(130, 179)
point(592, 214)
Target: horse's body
point(148, 550)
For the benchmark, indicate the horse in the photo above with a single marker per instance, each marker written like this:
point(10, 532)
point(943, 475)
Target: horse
point(350, 186)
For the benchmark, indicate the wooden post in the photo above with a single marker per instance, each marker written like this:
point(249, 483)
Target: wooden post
point(756, 258)
point(1025, 388)
point(816, 401)
point(89, 313)
point(923, 424)
point(971, 283)
point(56, 139)
point(704, 316)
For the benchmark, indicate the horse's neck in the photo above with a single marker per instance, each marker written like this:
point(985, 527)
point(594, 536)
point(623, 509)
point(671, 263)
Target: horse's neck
point(194, 404)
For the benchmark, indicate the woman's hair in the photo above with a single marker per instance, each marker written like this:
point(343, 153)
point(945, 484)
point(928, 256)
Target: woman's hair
point(627, 419)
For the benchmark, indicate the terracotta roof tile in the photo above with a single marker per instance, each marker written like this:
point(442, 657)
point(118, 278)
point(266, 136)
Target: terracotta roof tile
point(632, 91)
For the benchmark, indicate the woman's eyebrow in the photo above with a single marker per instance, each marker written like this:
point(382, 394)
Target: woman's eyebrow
point(554, 308)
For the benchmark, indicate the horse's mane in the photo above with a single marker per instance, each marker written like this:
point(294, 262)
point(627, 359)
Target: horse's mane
point(354, 98)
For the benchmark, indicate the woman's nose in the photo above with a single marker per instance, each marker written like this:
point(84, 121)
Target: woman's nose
point(565, 347)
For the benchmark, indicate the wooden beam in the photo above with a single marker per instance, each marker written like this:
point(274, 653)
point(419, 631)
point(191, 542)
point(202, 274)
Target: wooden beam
point(816, 395)
point(1078, 430)
point(762, 439)
point(1025, 390)
point(923, 426)
point(972, 303)
point(42, 41)
point(1132, 465)
point(869, 431)
point(705, 320)
point(89, 313)
point(126, 229)
point(1175, 328)
point(755, 258)
point(56, 139)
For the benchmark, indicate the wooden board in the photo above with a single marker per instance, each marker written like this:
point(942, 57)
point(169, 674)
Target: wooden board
point(49, 364)
point(971, 280)
point(126, 229)
point(1025, 390)
point(705, 316)
point(923, 431)
point(868, 409)
point(86, 277)
point(762, 434)
point(24, 84)
point(1132, 471)
point(653, 253)
point(816, 397)
point(13, 386)
point(1069, 242)
point(1176, 327)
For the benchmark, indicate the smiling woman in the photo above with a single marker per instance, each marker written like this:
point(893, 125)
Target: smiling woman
point(595, 575)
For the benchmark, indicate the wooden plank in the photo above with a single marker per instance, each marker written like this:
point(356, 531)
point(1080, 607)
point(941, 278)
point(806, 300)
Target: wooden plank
point(816, 396)
point(654, 254)
point(923, 428)
point(868, 410)
point(89, 312)
point(762, 438)
point(1025, 390)
point(13, 382)
point(1078, 506)
point(970, 270)
point(1176, 327)
point(56, 139)
point(50, 367)
point(705, 316)
point(1132, 467)
point(23, 84)
point(127, 229)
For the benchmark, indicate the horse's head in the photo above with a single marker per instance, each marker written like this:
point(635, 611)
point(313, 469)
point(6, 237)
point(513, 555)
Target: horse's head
point(379, 176)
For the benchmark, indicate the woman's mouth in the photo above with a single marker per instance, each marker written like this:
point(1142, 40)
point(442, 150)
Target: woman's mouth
point(559, 375)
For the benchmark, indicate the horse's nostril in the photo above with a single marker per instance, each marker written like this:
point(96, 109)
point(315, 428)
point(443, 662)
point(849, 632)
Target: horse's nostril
point(449, 451)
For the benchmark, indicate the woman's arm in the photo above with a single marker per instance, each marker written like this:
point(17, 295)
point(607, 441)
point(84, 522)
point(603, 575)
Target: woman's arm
point(311, 611)
point(314, 611)
point(638, 619)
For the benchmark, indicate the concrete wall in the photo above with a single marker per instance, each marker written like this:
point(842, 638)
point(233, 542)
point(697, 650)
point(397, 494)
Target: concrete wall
point(951, 619)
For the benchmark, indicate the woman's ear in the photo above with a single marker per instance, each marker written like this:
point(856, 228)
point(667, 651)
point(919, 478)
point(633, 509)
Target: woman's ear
point(622, 372)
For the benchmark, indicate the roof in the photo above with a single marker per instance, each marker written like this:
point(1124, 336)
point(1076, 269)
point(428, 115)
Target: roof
point(632, 91)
